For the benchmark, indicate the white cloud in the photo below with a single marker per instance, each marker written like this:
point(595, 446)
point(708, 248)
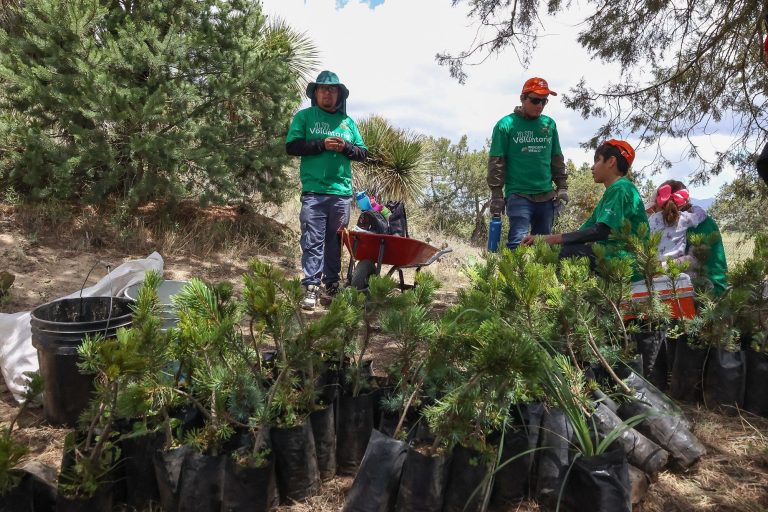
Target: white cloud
point(386, 57)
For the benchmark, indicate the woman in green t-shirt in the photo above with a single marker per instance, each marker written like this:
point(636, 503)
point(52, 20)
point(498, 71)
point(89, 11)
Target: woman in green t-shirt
point(620, 203)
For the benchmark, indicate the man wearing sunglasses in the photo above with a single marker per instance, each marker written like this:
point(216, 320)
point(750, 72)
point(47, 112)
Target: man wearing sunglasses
point(525, 160)
point(327, 140)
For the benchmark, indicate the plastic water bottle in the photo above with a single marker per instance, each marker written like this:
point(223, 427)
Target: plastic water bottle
point(362, 201)
point(379, 208)
point(494, 234)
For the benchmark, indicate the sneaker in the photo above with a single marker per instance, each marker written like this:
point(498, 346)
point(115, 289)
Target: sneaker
point(310, 297)
point(332, 289)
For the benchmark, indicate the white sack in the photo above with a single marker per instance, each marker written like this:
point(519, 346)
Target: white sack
point(17, 355)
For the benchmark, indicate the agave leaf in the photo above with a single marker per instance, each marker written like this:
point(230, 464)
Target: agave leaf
point(300, 51)
point(397, 163)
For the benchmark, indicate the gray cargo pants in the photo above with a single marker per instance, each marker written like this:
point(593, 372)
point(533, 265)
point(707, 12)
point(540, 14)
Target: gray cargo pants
point(321, 216)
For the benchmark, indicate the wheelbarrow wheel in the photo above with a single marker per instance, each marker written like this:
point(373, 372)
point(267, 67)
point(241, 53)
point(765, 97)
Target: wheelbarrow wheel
point(363, 270)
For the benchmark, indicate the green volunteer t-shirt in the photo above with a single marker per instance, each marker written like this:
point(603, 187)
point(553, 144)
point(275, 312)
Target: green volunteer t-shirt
point(620, 202)
point(329, 172)
point(528, 146)
point(715, 268)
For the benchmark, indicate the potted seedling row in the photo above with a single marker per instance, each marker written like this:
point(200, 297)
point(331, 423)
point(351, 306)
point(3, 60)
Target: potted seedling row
point(247, 401)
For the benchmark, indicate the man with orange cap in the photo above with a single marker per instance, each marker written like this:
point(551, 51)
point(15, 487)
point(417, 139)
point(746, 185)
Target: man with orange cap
point(524, 160)
point(621, 203)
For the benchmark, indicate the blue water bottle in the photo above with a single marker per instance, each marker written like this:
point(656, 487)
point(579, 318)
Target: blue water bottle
point(363, 202)
point(494, 234)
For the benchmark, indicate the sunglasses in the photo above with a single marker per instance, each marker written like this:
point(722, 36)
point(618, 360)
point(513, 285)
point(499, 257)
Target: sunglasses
point(327, 88)
point(536, 101)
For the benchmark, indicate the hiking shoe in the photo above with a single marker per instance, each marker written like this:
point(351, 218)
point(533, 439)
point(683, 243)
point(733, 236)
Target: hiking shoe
point(332, 289)
point(310, 297)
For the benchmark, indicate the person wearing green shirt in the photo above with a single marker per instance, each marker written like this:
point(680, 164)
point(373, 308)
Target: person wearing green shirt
point(620, 203)
point(327, 140)
point(706, 262)
point(715, 266)
point(524, 160)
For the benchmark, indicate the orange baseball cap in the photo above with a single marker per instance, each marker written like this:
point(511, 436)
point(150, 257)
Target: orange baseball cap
point(624, 148)
point(538, 86)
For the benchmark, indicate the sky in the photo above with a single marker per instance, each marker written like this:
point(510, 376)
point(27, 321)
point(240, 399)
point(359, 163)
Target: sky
point(384, 52)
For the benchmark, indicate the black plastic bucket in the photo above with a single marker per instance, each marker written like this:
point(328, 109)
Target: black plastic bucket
point(58, 328)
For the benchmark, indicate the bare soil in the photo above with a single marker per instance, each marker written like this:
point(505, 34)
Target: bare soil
point(50, 253)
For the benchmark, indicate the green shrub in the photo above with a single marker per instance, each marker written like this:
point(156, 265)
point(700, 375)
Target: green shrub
point(147, 100)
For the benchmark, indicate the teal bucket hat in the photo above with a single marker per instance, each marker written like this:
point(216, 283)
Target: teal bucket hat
point(329, 78)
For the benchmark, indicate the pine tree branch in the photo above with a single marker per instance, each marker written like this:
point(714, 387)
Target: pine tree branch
point(603, 362)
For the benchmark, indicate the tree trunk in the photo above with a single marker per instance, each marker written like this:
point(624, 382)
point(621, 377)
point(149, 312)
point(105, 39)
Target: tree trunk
point(480, 232)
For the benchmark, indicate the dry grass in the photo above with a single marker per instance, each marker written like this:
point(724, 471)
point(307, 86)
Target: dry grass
point(733, 476)
point(330, 498)
point(183, 229)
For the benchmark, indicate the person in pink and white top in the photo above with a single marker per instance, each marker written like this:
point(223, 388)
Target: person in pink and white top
point(674, 215)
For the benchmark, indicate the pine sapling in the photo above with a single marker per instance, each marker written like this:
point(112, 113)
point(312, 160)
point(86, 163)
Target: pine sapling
point(412, 330)
point(116, 364)
point(13, 451)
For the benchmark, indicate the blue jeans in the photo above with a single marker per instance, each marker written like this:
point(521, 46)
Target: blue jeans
point(321, 216)
point(523, 214)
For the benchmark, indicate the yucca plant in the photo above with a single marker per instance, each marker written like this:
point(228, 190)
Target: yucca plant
point(301, 52)
point(397, 164)
point(565, 387)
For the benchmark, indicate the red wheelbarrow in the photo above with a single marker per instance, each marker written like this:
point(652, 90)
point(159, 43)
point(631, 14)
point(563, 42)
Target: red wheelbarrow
point(372, 250)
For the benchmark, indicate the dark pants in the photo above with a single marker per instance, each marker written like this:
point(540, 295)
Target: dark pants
point(524, 214)
point(579, 251)
point(321, 216)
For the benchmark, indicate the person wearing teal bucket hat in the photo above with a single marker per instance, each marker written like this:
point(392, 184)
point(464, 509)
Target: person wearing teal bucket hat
point(329, 79)
point(327, 140)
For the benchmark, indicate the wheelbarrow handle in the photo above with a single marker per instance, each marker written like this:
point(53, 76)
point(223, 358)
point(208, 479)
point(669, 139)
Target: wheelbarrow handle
point(437, 256)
